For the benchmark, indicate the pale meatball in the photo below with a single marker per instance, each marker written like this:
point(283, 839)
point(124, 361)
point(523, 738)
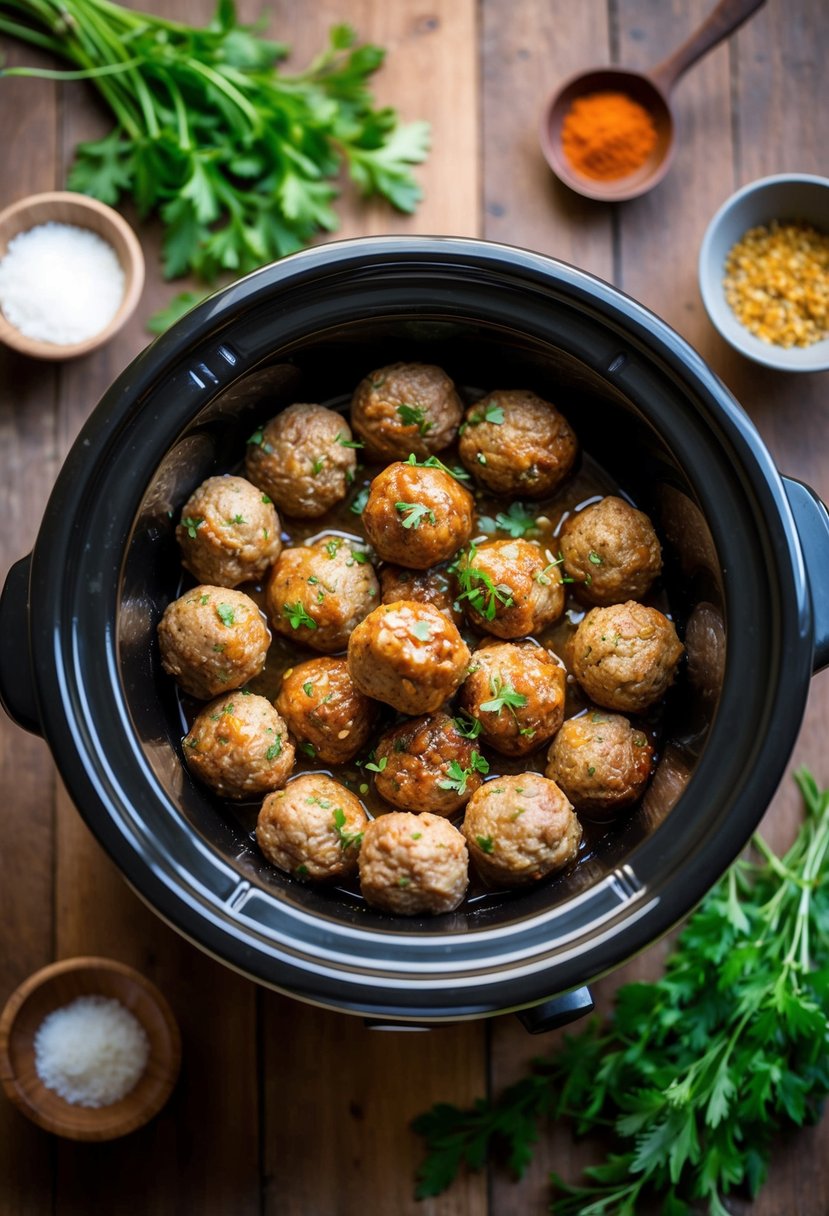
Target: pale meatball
point(406, 407)
point(519, 829)
point(433, 586)
point(318, 594)
point(600, 761)
point(229, 532)
point(610, 551)
point(239, 746)
point(304, 459)
point(510, 588)
point(516, 691)
point(409, 656)
point(515, 443)
point(426, 764)
point(416, 516)
point(625, 656)
point(325, 711)
point(212, 639)
point(312, 829)
point(411, 864)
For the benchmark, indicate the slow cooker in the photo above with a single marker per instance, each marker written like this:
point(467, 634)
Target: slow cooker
point(746, 569)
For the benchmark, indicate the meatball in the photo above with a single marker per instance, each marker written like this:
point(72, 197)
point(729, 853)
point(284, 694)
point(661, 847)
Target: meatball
point(229, 532)
point(516, 691)
point(510, 587)
point(304, 459)
point(426, 764)
point(519, 829)
point(312, 829)
point(600, 761)
point(610, 551)
point(407, 655)
point(406, 407)
point(212, 639)
point(625, 656)
point(410, 864)
point(324, 710)
point(416, 516)
point(514, 442)
point(239, 746)
point(318, 593)
point(434, 586)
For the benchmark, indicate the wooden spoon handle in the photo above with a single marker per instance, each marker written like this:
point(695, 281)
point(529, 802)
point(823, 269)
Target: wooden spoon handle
point(726, 17)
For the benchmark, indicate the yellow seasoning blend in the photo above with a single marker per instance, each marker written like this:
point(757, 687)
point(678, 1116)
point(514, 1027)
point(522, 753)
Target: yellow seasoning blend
point(777, 283)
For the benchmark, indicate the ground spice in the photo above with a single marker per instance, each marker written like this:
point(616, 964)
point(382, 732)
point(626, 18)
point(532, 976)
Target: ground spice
point(777, 283)
point(607, 135)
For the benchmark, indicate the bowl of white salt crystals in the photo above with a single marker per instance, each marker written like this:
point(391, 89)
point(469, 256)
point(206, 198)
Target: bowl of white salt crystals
point(89, 1049)
point(71, 274)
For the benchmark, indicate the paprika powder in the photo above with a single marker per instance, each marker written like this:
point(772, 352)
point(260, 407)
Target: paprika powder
point(607, 135)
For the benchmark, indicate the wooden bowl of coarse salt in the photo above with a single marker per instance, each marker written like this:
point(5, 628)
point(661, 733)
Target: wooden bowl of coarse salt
point(89, 1049)
point(71, 274)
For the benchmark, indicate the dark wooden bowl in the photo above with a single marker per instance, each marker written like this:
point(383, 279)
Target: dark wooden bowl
point(50, 989)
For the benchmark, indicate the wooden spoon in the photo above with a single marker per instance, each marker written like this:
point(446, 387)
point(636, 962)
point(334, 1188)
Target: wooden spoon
point(652, 90)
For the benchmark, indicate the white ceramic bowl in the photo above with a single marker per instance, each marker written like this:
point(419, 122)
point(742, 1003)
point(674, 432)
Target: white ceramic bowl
point(786, 196)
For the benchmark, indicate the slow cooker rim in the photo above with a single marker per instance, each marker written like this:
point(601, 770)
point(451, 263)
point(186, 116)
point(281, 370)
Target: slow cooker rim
point(449, 247)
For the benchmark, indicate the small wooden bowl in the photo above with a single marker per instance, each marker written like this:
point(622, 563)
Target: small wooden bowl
point(50, 989)
point(65, 207)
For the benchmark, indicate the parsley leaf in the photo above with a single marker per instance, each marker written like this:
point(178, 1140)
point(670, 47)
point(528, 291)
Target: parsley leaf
point(226, 614)
point(414, 415)
point(347, 839)
point(503, 696)
point(457, 777)
point(297, 615)
point(414, 513)
point(432, 462)
point(192, 525)
point(478, 588)
point(517, 521)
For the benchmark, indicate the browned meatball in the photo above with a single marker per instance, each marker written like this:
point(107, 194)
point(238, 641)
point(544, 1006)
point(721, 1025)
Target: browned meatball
point(318, 593)
point(434, 586)
point(600, 761)
point(239, 746)
point(212, 639)
point(625, 656)
point(519, 829)
point(411, 864)
point(610, 551)
point(229, 532)
point(417, 517)
point(514, 442)
point(407, 655)
point(426, 764)
point(406, 407)
point(312, 829)
point(304, 459)
point(510, 587)
point(324, 710)
point(516, 691)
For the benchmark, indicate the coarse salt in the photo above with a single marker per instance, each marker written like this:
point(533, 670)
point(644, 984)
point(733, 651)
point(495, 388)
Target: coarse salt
point(91, 1052)
point(60, 283)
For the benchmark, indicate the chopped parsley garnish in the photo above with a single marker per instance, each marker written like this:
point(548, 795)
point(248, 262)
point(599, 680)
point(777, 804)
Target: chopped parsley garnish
point(543, 576)
point(360, 556)
point(457, 777)
point(317, 465)
point(456, 471)
point(275, 749)
point(503, 696)
point(470, 728)
point(517, 521)
point(258, 440)
point(301, 871)
point(490, 413)
point(225, 613)
point(333, 546)
point(266, 499)
point(480, 457)
point(414, 415)
point(347, 443)
point(595, 558)
point(309, 749)
point(379, 767)
point(308, 688)
point(297, 615)
point(346, 839)
point(413, 514)
point(359, 504)
point(477, 587)
point(237, 519)
point(192, 524)
point(485, 843)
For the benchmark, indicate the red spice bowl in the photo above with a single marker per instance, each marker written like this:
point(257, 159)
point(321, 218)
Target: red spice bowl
point(58, 985)
point(638, 88)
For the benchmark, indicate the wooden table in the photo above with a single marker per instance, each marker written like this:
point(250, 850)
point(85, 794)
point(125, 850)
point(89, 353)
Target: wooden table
point(283, 1108)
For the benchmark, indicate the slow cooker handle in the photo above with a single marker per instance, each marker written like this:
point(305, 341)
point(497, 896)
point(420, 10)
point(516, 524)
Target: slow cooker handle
point(812, 520)
point(17, 690)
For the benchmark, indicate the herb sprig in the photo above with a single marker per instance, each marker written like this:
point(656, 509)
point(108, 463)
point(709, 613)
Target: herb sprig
point(477, 586)
point(239, 159)
point(457, 777)
point(517, 521)
point(699, 1073)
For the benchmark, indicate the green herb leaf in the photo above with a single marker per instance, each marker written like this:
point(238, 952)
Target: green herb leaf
point(380, 767)
point(297, 615)
point(432, 462)
point(192, 525)
point(414, 415)
point(226, 614)
point(503, 696)
point(347, 839)
point(517, 521)
point(477, 587)
point(414, 513)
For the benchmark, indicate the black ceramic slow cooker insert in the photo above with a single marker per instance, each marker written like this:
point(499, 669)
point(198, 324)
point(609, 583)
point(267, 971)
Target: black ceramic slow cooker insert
point(747, 572)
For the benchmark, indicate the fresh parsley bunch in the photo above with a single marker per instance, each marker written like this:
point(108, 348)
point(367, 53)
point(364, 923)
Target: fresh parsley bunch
point(238, 159)
point(696, 1075)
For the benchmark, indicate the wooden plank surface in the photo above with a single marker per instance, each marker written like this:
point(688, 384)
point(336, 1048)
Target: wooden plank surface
point(282, 1108)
